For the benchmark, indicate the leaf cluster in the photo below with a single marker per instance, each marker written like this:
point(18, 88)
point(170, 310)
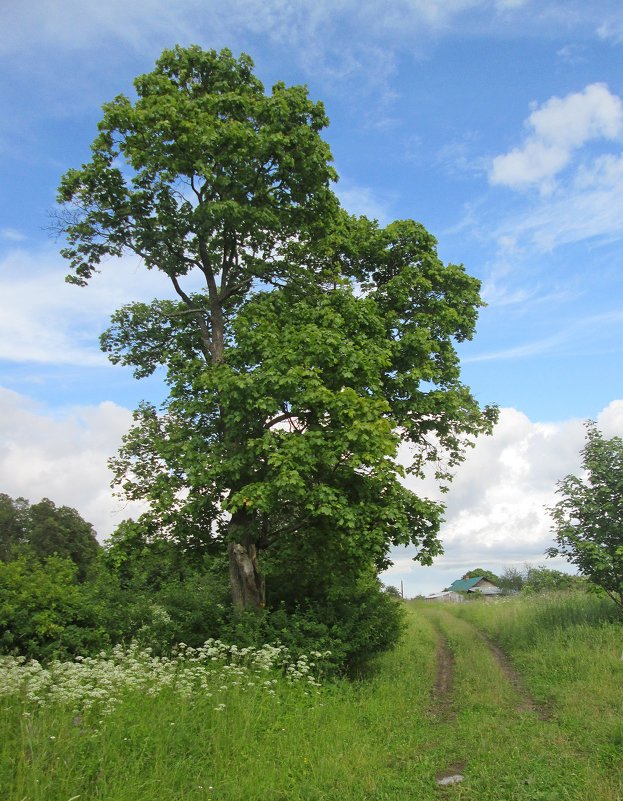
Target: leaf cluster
point(588, 520)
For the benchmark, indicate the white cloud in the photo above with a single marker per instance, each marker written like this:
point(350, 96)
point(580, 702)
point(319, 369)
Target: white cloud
point(610, 419)
point(45, 320)
point(79, 24)
point(63, 457)
point(596, 331)
point(361, 200)
point(496, 507)
point(572, 54)
point(611, 29)
point(590, 206)
point(12, 235)
point(557, 129)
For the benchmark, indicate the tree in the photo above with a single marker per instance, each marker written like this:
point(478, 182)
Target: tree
point(479, 571)
point(44, 529)
point(543, 579)
point(44, 611)
point(512, 579)
point(588, 520)
point(315, 344)
point(13, 514)
point(62, 531)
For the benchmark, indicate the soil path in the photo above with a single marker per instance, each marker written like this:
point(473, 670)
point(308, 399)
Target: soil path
point(526, 702)
point(442, 705)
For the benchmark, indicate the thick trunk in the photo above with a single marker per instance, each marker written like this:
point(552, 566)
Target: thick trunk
point(247, 583)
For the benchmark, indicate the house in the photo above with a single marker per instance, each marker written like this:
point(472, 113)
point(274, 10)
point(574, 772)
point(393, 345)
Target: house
point(444, 596)
point(476, 584)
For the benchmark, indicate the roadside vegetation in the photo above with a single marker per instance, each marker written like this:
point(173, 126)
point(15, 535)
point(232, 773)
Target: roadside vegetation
point(235, 641)
point(225, 725)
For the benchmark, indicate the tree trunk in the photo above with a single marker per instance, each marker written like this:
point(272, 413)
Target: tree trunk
point(247, 583)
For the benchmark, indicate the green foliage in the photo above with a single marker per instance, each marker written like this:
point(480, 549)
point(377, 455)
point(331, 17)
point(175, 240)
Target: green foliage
point(542, 579)
point(44, 611)
point(215, 172)
point(152, 591)
point(44, 529)
point(479, 571)
point(315, 344)
point(588, 521)
point(13, 524)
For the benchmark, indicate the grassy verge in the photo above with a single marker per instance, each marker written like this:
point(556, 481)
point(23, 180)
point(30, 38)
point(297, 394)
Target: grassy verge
point(292, 741)
point(202, 731)
point(568, 651)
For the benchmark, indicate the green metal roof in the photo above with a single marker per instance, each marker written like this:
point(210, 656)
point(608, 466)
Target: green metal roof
point(462, 585)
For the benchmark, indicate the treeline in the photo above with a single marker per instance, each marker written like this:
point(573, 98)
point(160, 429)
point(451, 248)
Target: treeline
point(529, 579)
point(534, 580)
point(63, 594)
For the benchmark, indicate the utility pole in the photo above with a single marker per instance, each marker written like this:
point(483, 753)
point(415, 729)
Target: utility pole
point(402, 590)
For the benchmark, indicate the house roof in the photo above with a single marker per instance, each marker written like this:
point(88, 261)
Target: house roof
point(462, 585)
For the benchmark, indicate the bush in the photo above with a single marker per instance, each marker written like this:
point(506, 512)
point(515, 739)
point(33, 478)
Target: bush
point(44, 612)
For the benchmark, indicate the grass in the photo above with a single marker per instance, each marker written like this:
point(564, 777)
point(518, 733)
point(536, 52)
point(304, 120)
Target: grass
point(568, 648)
point(226, 735)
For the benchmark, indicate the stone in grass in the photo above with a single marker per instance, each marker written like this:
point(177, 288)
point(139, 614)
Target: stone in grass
point(454, 779)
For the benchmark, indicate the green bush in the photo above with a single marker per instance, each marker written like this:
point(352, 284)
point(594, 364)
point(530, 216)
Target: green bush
point(45, 612)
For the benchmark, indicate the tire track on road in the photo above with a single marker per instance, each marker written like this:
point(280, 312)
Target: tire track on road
point(442, 705)
point(527, 702)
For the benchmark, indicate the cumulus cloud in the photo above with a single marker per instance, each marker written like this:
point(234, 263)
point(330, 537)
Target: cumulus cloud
point(610, 419)
point(496, 507)
point(495, 510)
point(557, 129)
point(44, 320)
point(63, 457)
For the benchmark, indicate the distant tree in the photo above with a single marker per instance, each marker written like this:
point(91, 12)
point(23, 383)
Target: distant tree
point(480, 571)
point(588, 520)
point(44, 529)
point(512, 579)
point(12, 525)
point(44, 611)
point(393, 592)
point(542, 579)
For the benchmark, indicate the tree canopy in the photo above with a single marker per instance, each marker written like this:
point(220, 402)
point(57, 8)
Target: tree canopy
point(44, 529)
point(480, 571)
point(588, 520)
point(303, 347)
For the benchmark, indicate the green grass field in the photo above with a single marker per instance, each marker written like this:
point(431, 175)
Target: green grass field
point(543, 720)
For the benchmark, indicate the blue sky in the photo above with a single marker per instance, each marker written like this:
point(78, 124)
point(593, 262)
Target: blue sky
point(497, 124)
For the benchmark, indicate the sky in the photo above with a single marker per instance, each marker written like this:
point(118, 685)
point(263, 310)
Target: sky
point(498, 124)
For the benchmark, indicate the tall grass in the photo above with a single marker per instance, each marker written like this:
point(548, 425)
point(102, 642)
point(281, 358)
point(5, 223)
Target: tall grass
point(218, 731)
point(568, 648)
point(225, 724)
point(525, 620)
